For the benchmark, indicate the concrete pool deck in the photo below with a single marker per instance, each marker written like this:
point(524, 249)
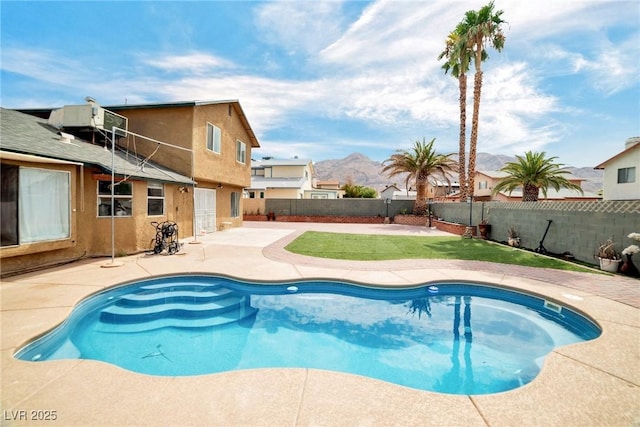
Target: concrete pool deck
point(596, 383)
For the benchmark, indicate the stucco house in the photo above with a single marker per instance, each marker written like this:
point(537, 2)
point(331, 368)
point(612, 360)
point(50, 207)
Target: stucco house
point(56, 195)
point(436, 191)
point(280, 179)
point(217, 140)
point(620, 181)
point(486, 180)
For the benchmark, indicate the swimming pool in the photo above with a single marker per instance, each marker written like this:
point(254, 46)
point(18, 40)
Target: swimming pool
point(457, 338)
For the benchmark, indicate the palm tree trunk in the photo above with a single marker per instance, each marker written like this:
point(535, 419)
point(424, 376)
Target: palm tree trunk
point(530, 193)
point(473, 143)
point(462, 159)
point(420, 207)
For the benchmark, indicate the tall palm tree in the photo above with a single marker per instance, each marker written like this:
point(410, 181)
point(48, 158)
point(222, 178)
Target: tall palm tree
point(479, 29)
point(458, 58)
point(420, 163)
point(534, 172)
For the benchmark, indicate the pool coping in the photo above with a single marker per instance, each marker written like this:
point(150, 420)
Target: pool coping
point(592, 383)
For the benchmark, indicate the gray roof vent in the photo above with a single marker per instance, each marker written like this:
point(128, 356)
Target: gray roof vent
point(66, 137)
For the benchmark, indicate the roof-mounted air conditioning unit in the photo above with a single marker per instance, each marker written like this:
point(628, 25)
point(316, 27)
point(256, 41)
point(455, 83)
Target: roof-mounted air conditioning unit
point(87, 116)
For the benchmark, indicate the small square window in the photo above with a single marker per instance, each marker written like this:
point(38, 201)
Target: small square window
point(626, 175)
point(155, 199)
point(123, 198)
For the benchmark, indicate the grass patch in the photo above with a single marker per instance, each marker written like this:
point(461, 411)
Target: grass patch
point(369, 247)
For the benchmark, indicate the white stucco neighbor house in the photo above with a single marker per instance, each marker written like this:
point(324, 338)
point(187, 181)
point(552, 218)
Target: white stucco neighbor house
point(280, 179)
point(620, 181)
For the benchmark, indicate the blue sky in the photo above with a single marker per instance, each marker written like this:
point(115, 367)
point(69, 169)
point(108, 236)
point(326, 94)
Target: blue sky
point(322, 80)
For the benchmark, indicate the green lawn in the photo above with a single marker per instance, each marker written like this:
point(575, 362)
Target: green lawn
point(366, 247)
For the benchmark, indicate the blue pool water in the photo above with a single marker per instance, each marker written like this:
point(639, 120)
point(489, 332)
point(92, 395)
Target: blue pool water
point(448, 338)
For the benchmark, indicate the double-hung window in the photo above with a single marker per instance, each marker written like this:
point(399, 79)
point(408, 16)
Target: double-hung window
point(626, 175)
point(36, 205)
point(214, 138)
point(241, 152)
point(155, 198)
point(123, 198)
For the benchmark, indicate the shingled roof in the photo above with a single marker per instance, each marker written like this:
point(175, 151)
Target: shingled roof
point(26, 134)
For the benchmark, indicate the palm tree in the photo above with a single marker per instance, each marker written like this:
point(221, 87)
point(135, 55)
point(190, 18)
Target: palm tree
point(420, 163)
point(478, 29)
point(458, 60)
point(534, 172)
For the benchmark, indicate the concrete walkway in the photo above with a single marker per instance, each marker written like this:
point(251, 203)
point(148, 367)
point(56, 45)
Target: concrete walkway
point(593, 383)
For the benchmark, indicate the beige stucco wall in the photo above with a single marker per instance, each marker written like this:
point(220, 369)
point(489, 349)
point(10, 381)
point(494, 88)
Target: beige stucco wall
point(90, 234)
point(283, 193)
point(33, 254)
point(134, 233)
point(254, 206)
point(171, 125)
point(186, 126)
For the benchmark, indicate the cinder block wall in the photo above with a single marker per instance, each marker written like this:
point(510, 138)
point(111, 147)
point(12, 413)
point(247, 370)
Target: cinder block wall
point(576, 227)
point(337, 207)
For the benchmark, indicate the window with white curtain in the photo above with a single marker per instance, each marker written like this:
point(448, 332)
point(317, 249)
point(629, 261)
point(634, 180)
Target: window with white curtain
point(44, 205)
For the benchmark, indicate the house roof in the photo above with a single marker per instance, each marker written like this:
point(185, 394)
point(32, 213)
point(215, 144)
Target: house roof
point(234, 102)
point(27, 134)
point(262, 183)
point(623, 153)
point(493, 174)
point(501, 174)
point(278, 162)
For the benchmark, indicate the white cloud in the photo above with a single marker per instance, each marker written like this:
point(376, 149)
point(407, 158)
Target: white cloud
point(379, 71)
point(300, 26)
point(195, 62)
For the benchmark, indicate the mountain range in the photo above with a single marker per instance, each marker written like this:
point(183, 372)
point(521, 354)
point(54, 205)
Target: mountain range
point(361, 170)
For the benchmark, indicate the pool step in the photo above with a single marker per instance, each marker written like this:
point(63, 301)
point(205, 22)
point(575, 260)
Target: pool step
point(120, 314)
point(171, 286)
point(165, 296)
point(239, 314)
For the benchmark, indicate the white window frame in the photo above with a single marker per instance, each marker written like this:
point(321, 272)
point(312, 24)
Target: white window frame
point(155, 185)
point(42, 218)
point(214, 138)
point(123, 200)
point(629, 175)
point(241, 152)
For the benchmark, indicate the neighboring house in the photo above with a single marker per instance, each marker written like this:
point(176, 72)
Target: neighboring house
point(486, 180)
point(56, 196)
point(280, 179)
point(330, 184)
point(392, 192)
point(217, 141)
point(621, 180)
point(329, 189)
point(437, 191)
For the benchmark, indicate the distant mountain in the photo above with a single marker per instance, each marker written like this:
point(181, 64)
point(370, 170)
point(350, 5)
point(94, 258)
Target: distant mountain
point(360, 169)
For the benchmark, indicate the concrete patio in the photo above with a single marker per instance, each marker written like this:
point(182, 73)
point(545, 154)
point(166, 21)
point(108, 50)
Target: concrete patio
point(596, 383)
